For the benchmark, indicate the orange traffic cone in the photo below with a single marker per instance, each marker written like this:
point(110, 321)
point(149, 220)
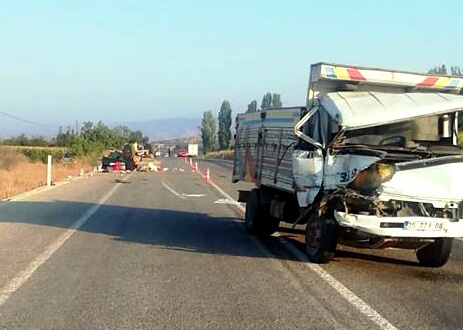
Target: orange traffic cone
point(160, 168)
point(207, 177)
point(191, 162)
point(195, 168)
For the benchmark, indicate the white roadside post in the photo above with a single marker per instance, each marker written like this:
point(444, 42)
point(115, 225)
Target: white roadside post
point(49, 171)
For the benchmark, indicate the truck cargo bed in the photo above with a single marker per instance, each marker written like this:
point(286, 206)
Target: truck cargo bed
point(263, 147)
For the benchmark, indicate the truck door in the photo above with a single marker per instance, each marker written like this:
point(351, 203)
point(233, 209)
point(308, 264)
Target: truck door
point(308, 157)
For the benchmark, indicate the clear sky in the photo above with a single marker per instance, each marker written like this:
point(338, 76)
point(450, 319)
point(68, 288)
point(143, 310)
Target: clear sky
point(134, 60)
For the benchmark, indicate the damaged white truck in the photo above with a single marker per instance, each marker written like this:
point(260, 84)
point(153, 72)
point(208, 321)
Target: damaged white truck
point(371, 161)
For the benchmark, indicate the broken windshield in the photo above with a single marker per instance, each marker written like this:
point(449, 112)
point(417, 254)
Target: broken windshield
point(422, 132)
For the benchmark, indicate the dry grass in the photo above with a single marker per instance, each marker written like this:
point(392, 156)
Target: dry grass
point(222, 154)
point(17, 174)
point(9, 158)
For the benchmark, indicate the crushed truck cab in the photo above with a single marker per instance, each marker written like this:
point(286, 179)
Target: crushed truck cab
point(371, 161)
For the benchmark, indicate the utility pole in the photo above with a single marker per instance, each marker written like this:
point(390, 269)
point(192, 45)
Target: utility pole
point(77, 127)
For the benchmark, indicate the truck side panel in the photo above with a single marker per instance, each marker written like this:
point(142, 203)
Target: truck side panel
point(264, 145)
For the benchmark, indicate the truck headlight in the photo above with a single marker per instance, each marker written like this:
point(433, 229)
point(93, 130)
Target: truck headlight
point(372, 177)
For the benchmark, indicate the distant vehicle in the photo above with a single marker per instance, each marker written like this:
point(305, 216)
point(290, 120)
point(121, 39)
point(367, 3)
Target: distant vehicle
point(182, 153)
point(68, 158)
point(192, 149)
point(371, 161)
point(127, 159)
point(109, 163)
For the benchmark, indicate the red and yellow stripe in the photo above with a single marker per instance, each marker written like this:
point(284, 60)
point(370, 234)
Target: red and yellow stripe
point(439, 82)
point(341, 73)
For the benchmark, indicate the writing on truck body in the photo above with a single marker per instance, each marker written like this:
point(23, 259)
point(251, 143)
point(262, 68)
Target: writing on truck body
point(371, 161)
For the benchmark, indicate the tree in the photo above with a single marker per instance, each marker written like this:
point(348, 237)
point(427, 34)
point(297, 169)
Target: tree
point(276, 101)
point(146, 140)
point(440, 69)
point(443, 69)
point(126, 135)
point(66, 139)
point(101, 134)
point(123, 132)
point(252, 107)
point(456, 71)
point(208, 128)
point(136, 136)
point(23, 140)
point(266, 101)
point(225, 121)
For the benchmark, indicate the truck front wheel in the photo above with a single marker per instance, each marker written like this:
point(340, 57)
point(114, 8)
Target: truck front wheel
point(257, 217)
point(435, 254)
point(320, 238)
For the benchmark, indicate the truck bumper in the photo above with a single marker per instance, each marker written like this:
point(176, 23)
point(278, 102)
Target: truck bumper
point(417, 227)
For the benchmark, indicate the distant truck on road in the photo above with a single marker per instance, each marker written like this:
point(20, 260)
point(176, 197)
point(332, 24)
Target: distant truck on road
point(370, 161)
point(192, 150)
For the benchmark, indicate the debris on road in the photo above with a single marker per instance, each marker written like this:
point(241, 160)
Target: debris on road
point(130, 158)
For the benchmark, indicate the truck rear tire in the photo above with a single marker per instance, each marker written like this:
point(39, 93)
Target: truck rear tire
point(320, 238)
point(257, 217)
point(435, 254)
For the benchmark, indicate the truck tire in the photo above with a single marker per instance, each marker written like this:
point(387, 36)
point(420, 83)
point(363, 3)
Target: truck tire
point(435, 254)
point(321, 238)
point(257, 218)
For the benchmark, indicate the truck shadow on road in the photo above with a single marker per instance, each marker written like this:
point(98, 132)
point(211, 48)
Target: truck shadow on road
point(171, 230)
point(161, 228)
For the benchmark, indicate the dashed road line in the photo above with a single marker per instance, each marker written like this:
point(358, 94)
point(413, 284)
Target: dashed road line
point(172, 190)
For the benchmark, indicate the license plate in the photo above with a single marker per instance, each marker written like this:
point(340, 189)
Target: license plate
point(424, 225)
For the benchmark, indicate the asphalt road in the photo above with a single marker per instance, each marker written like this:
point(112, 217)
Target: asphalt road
point(169, 251)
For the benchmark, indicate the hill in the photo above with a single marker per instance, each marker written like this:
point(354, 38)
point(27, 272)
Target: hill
point(166, 129)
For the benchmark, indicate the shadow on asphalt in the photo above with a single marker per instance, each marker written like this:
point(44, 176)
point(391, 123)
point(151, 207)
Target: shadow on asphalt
point(161, 228)
point(173, 230)
point(351, 255)
point(369, 257)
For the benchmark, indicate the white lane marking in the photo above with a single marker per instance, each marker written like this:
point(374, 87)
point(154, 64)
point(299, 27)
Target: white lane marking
point(179, 195)
point(226, 201)
point(224, 194)
point(351, 297)
point(328, 316)
point(15, 283)
point(172, 190)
